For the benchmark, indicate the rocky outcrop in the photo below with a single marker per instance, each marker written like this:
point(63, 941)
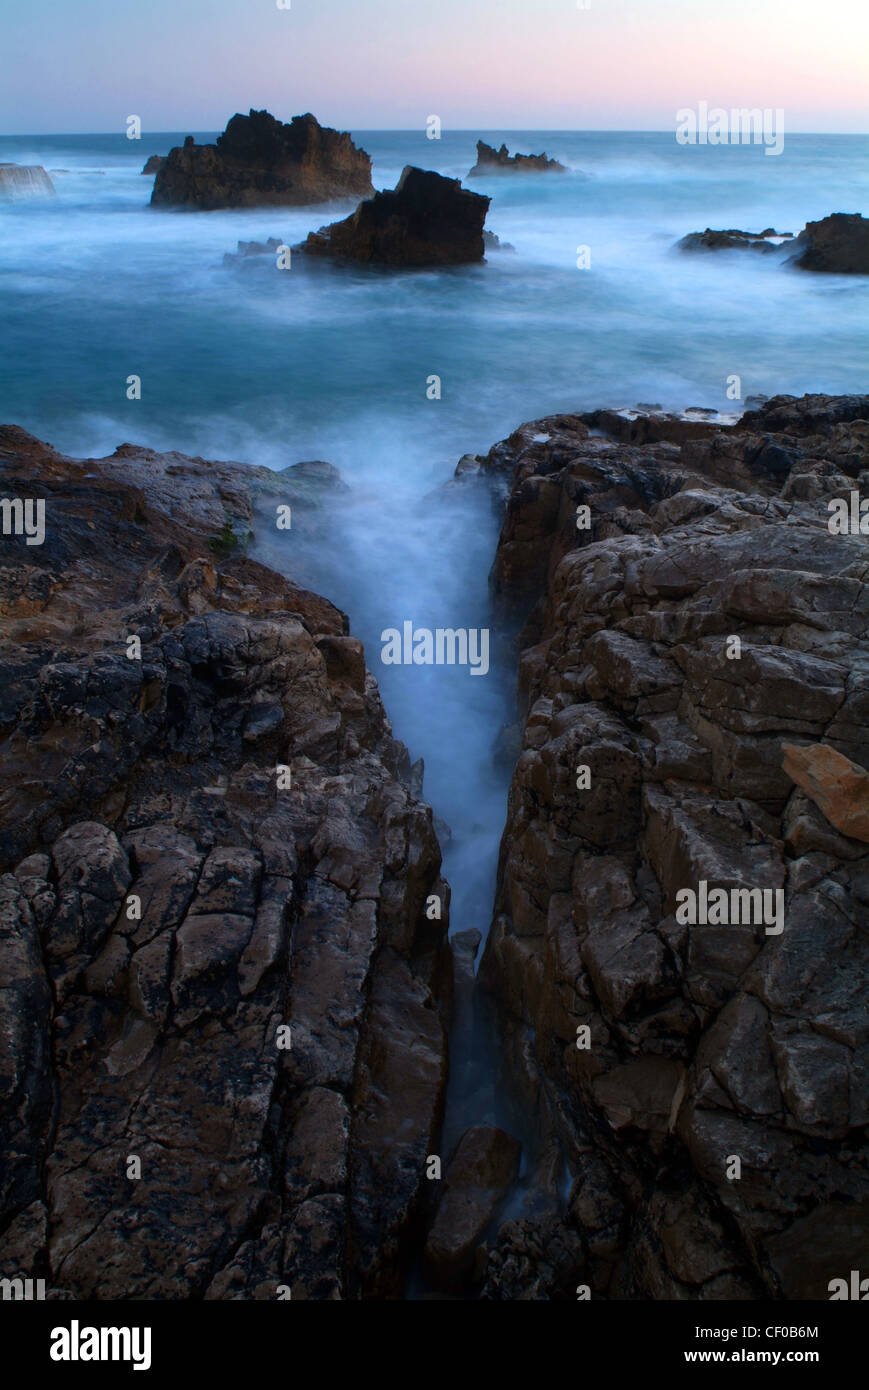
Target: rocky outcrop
point(693, 674)
point(224, 1005)
point(490, 160)
point(25, 181)
point(425, 220)
point(733, 240)
point(838, 244)
point(261, 162)
point(155, 162)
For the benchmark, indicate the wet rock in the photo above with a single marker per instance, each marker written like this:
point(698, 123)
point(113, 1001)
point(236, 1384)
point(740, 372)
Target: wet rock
point(838, 245)
point(425, 220)
point(733, 240)
point(490, 160)
point(262, 162)
point(479, 1175)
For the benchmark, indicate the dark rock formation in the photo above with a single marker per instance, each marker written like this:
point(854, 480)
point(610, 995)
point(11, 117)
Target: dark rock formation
point(168, 907)
point(155, 162)
point(425, 220)
point(694, 681)
point(259, 161)
point(481, 1172)
point(732, 240)
point(838, 244)
point(490, 161)
point(24, 181)
point(649, 425)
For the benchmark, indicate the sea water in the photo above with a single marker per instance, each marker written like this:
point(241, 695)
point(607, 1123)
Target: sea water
point(243, 361)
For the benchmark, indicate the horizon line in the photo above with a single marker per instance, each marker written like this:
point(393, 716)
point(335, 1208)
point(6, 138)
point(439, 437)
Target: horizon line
point(416, 130)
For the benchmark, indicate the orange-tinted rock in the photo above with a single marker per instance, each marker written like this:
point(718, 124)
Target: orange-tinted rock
point(837, 786)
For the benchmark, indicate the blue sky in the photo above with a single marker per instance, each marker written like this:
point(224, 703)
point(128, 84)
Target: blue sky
point(84, 65)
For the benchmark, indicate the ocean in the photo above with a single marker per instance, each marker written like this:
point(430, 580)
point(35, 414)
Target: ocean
point(327, 362)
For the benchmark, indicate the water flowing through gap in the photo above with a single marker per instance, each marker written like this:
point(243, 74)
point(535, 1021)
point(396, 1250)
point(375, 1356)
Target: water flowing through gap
point(394, 555)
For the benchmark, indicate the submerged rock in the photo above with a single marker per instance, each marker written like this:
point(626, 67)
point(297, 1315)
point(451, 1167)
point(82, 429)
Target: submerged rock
point(490, 160)
point(226, 1007)
point(425, 220)
point(259, 161)
point(694, 643)
point(24, 181)
point(732, 240)
point(838, 244)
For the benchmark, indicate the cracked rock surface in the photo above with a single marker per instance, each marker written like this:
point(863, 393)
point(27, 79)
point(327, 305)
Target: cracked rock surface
point(222, 1006)
point(713, 1129)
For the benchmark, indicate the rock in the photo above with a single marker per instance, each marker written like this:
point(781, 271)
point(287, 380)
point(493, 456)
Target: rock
point(692, 641)
point(534, 1260)
point(732, 240)
point(153, 164)
point(261, 162)
point(838, 786)
point(425, 220)
point(838, 245)
point(253, 248)
point(490, 160)
point(235, 983)
point(24, 181)
point(494, 243)
point(481, 1172)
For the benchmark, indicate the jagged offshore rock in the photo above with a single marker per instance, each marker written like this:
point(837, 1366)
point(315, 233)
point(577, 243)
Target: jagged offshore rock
point(425, 220)
point(259, 161)
point(155, 162)
point(490, 160)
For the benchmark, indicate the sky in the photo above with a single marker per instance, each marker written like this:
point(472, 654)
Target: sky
point(85, 65)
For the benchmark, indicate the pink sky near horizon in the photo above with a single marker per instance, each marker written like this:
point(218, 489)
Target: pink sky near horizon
point(497, 64)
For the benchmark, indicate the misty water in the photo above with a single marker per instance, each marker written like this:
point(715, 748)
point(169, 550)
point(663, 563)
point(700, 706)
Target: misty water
point(246, 362)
